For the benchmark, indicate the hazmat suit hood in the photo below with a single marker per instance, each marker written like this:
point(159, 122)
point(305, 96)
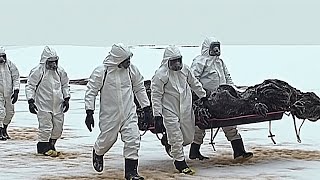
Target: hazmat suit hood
point(210, 70)
point(9, 80)
point(118, 53)
point(206, 45)
point(171, 52)
point(47, 53)
point(2, 50)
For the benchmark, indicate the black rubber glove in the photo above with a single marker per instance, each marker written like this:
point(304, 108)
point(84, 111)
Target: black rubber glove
point(14, 96)
point(205, 102)
point(32, 107)
point(66, 104)
point(89, 119)
point(147, 114)
point(261, 109)
point(158, 124)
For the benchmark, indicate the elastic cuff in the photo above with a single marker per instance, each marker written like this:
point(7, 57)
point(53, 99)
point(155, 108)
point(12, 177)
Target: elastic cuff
point(89, 112)
point(30, 101)
point(147, 108)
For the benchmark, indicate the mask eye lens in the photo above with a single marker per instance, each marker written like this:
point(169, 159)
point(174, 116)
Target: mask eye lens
point(52, 65)
point(56, 58)
point(214, 49)
point(125, 63)
point(175, 60)
point(52, 62)
point(175, 64)
point(3, 56)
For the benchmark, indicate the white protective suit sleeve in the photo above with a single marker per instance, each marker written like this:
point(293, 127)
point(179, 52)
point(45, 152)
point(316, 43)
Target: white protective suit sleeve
point(10, 78)
point(33, 80)
point(195, 85)
point(227, 74)
point(138, 87)
point(64, 84)
point(157, 86)
point(94, 85)
point(14, 75)
point(197, 66)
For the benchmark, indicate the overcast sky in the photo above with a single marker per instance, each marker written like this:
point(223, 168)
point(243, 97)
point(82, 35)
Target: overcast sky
point(184, 22)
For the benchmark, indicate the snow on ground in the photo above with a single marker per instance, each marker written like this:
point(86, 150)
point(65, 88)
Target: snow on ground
point(287, 159)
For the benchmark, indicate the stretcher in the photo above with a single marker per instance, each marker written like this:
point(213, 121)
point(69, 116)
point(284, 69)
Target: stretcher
point(218, 123)
point(239, 120)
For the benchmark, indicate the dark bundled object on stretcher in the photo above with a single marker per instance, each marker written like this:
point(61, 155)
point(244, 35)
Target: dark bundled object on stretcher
point(270, 96)
point(266, 101)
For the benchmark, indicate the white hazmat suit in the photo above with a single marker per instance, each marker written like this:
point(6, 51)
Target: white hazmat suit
point(9, 82)
point(172, 99)
point(212, 72)
point(49, 89)
point(117, 87)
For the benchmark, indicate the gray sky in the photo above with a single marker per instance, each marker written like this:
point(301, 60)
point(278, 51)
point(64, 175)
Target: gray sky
point(103, 22)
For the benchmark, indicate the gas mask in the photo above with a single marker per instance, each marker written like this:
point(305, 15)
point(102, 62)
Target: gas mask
point(125, 63)
point(214, 49)
point(3, 58)
point(175, 64)
point(52, 63)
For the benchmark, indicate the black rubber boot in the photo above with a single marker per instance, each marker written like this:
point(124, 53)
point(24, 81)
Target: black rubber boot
point(194, 152)
point(43, 147)
point(182, 167)
point(97, 161)
point(167, 146)
point(131, 170)
point(5, 132)
point(239, 153)
point(53, 143)
point(2, 136)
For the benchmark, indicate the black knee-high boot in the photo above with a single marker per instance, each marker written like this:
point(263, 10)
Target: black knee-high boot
point(239, 153)
point(53, 143)
point(97, 161)
point(131, 170)
point(194, 152)
point(5, 132)
point(2, 136)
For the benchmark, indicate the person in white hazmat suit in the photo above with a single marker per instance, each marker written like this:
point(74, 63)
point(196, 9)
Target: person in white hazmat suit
point(118, 81)
point(9, 91)
point(48, 93)
point(171, 99)
point(211, 71)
